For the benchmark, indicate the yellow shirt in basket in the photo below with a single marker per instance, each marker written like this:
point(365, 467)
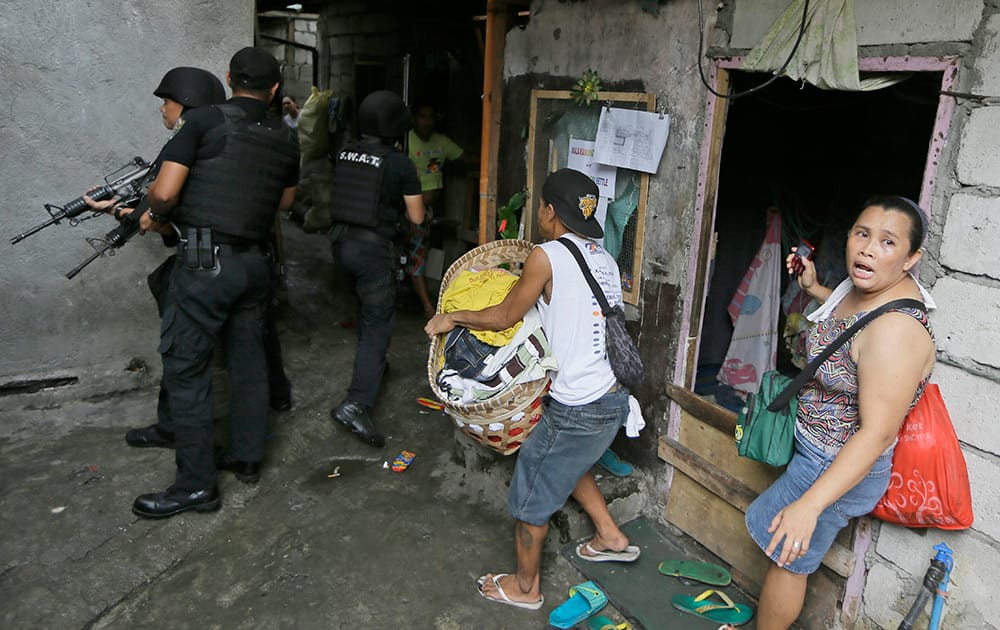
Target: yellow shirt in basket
point(476, 290)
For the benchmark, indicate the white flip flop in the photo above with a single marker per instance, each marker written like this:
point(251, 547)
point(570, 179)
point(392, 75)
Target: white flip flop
point(503, 596)
point(628, 554)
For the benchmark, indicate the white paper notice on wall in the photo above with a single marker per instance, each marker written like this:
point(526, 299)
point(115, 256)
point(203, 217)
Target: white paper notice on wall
point(581, 158)
point(631, 139)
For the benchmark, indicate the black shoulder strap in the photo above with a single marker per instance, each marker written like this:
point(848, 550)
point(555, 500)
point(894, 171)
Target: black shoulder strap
point(596, 288)
point(807, 373)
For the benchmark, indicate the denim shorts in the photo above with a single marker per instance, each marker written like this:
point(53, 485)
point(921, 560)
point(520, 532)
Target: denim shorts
point(807, 464)
point(466, 354)
point(563, 446)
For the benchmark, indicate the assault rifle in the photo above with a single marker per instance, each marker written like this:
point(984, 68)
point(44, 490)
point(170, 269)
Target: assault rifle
point(126, 229)
point(128, 224)
point(127, 186)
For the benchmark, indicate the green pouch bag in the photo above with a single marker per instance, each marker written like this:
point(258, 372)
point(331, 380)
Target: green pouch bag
point(764, 435)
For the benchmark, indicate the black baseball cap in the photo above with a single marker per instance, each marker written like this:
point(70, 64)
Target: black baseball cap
point(254, 68)
point(574, 197)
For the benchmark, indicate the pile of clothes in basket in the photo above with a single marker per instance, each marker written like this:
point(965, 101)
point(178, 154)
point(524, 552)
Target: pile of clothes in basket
point(481, 364)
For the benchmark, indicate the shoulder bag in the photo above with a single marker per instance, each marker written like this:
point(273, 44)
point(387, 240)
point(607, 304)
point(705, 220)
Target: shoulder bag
point(765, 429)
point(622, 353)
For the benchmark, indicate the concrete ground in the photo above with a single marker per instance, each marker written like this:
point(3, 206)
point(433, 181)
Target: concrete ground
point(369, 548)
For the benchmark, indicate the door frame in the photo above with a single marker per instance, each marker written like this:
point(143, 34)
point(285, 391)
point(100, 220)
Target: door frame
point(702, 251)
point(716, 109)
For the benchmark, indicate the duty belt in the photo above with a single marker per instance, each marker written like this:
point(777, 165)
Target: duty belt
point(238, 245)
point(227, 249)
point(200, 248)
point(364, 234)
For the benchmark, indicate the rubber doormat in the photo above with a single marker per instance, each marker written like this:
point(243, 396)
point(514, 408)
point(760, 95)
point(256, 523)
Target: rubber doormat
point(638, 590)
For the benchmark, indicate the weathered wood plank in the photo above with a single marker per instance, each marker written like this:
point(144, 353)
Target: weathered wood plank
point(736, 495)
point(720, 449)
point(714, 479)
point(711, 414)
point(718, 526)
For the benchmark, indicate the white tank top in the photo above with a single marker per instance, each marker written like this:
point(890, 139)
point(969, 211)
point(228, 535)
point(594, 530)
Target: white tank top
point(573, 321)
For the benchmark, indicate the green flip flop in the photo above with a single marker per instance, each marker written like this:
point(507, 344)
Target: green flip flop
point(721, 609)
point(603, 623)
point(694, 570)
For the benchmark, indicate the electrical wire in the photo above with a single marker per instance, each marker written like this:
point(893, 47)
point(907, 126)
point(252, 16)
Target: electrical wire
point(777, 75)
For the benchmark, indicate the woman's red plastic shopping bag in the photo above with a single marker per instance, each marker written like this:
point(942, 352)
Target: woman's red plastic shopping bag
point(930, 482)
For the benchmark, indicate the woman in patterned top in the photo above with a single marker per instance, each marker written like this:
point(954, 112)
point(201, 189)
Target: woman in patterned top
point(851, 410)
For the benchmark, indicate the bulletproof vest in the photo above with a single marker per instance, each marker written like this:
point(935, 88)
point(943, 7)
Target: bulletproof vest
point(357, 185)
point(237, 192)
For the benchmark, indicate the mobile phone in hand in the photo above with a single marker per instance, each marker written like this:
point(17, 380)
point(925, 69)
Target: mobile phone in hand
point(803, 251)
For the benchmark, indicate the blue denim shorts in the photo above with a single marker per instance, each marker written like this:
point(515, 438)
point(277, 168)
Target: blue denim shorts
point(563, 446)
point(466, 354)
point(807, 464)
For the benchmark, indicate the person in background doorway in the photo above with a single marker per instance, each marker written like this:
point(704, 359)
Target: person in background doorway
point(429, 151)
point(850, 412)
point(586, 405)
point(291, 109)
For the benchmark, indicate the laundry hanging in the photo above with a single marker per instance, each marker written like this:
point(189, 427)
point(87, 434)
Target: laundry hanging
point(754, 311)
point(827, 55)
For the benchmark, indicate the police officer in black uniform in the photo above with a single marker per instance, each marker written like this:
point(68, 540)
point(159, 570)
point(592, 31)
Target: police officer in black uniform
point(375, 186)
point(224, 176)
point(182, 89)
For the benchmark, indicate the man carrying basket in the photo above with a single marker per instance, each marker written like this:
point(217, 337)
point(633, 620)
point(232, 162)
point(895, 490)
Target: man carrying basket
point(586, 406)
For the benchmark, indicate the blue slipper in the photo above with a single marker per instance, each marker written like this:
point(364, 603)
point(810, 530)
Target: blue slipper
point(584, 600)
point(614, 465)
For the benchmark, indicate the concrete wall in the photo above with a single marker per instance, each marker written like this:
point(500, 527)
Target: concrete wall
point(878, 21)
point(297, 63)
point(632, 50)
point(967, 290)
point(357, 33)
point(628, 46)
point(77, 102)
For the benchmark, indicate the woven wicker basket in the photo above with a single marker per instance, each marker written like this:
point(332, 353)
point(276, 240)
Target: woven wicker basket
point(504, 421)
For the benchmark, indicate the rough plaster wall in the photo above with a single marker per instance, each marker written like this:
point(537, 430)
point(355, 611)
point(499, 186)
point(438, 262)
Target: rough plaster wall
point(77, 102)
point(624, 44)
point(879, 21)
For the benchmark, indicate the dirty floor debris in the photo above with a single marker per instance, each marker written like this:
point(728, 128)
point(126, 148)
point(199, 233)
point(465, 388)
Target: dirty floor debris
point(327, 539)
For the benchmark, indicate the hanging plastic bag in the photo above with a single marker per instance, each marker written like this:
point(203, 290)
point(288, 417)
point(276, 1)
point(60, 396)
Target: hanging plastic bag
point(929, 486)
point(314, 142)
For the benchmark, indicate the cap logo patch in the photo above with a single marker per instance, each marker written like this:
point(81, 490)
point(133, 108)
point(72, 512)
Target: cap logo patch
point(588, 205)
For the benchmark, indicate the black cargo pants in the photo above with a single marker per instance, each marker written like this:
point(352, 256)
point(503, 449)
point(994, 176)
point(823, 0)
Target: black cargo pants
point(201, 307)
point(369, 260)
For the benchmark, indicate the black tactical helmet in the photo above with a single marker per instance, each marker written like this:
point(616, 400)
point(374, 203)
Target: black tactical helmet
point(384, 114)
point(191, 87)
